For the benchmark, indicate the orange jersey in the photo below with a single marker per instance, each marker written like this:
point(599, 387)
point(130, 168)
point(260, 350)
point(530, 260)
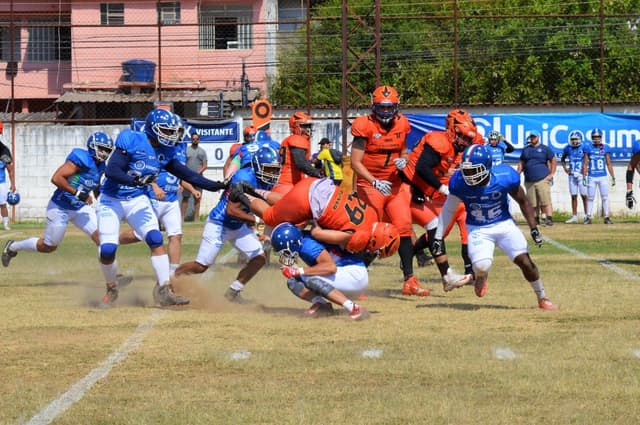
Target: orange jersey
point(234, 148)
point(439, 142)
point(382, 145)
point(289, 173)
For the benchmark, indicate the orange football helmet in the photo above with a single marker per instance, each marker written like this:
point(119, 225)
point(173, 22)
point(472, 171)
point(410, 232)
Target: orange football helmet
point(385, 103)
point(300, 123)
point(249, 134)
point(461, 129)
point(385, 239)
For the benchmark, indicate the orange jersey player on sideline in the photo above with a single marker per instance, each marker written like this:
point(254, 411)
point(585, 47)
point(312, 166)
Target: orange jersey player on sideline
point(342, 218)
point(378, 151)
point(295, 154)
point(431, 163)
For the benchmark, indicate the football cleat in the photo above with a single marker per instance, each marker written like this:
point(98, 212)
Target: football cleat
point(234, 296)
point(546, 304)
point(480, 286)
point(587, 220)
point(164, 296)
point(7, 253)
point(319, 309)
point(607, 220)
point(573, 219)
point(358, 313)
point(424, 259)
point(412, 287)
point(453, 280)
point(110, 296)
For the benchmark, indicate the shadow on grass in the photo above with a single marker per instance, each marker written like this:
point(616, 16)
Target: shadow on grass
point(468, 307)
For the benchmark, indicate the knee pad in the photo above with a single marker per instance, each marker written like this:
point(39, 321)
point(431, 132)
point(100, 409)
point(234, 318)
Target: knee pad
point(482, 266)
point(153, 238)
point(319, 286)
point(295, 286)
point(108, 251)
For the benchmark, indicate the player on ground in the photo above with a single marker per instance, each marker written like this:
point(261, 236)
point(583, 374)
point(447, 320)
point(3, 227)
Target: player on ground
point(330, 274)
point(485, 191)
point(138, 158)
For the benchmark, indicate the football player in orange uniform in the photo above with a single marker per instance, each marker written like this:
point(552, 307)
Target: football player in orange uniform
point(342, 218)
point(378, 151)
point(295, 153)
point(430, 165)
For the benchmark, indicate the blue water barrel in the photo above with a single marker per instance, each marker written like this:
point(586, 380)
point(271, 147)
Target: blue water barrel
point(138, 71)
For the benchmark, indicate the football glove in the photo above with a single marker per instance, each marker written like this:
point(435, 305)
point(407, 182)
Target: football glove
point(383, 186)
point(613, 181)
point(292, 271)
point(537, 237)
point(400, 163)
point(631, 200)
point(145, 180)
point(82, 195)
point(444, 189)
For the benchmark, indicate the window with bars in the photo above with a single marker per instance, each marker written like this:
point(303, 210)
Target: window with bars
point(225, 27)
point(49, 40)
point(169, 12)
point(112, 13)
point(5, 42)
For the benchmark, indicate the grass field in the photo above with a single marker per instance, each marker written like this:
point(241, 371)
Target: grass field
point(446, 359)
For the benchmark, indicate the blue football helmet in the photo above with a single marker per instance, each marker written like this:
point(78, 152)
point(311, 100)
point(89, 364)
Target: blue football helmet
point(286, 241)
point(596, 136)
point(162, 126)
point(494, 135)
point(575, 138)
point(13, 198)
point(100, 146)
point(266, 165)
point(476, 164)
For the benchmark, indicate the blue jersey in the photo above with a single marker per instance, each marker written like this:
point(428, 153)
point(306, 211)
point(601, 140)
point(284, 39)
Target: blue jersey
point(497, 152)
point(144, 159)
point(486, 204)
point(245, 153)
point(574, 154)
point(86, 179)
point(219, 213)
point(597, 159)
point(311, 250)
point(535, 159)
point(167, 181)
point(3, 175)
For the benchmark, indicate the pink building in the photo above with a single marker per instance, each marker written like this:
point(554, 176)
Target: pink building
point(72, 53)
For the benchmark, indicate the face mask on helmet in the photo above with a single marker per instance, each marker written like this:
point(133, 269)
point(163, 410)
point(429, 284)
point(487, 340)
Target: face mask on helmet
point(596, 136)
point(266, 165)
point(494, 137)
point(286, 241)
point(100, 146)
point(249, 134)
point(300, 124)
point(384, 241)
point(162, 126)
point(575, 138)
point(385, 103)
point(476, 165)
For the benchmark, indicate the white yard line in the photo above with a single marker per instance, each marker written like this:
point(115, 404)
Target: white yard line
point(603, 261)
point(79, 389)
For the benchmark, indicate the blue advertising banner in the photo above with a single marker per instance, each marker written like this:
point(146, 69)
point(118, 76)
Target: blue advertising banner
point(216, 137)
point(620, 130)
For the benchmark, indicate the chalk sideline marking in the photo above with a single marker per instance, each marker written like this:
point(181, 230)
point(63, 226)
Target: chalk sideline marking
point(603, 261)
point(77, 391)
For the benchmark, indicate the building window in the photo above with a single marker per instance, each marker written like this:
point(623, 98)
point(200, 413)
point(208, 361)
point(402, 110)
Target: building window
point(49, 40)
point(169, 12)
point(112, 13)
point(291, 14)
point(225, 27)
point(5, 42)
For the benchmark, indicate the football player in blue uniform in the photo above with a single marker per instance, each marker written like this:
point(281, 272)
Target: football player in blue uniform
point(485, 191)
point(229, 221)
point(596, 163)
point(77, 181)
point(575, 153)
point(630, 200)
point(6, 167)
point(138, 158)
point(243, 155)
point(498, 146)
point(331, 274)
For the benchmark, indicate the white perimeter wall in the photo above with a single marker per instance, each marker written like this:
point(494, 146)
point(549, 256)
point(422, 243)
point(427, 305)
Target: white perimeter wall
point(41, 148)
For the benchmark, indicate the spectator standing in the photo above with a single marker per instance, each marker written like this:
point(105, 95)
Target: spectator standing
point(330, 160)
point(538, 163)
point(196, 161)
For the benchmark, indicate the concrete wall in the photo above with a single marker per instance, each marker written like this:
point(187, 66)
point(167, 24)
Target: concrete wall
point(41, 148)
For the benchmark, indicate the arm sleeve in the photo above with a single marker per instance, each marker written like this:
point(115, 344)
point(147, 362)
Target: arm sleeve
point(301, 162)
point(183, 172)
point(117, 168)
point(358, 143)
point(509, 147)
point(446, 214)
point(424, 167)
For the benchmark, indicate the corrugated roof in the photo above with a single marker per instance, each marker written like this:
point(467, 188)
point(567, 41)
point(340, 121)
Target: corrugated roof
point(183, 96)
